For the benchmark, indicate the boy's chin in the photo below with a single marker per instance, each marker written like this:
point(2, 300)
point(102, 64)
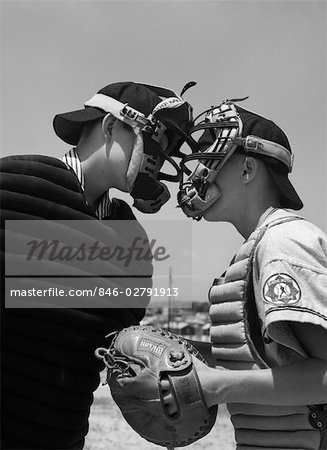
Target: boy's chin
point(211, 214)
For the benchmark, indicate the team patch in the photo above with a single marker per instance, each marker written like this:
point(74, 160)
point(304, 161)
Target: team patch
point(281, 289)
point(156, 348)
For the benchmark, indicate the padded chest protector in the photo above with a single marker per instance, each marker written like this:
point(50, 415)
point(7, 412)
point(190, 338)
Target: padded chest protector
point(48, 366)
point(237, 344)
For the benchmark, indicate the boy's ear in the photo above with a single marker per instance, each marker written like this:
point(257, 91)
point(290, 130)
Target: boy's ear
point(249, 169)
point(106, 126)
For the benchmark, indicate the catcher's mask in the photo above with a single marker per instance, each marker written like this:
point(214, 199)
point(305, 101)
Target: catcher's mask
point(160, 130)
point(224, 127)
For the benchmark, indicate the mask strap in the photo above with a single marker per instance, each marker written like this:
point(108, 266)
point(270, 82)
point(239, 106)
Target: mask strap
point(136, 159)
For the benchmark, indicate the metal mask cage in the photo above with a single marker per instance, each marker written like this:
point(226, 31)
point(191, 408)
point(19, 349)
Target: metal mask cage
point(220, 125)
point(151, 125)
point(224, 126)
point(176, 134)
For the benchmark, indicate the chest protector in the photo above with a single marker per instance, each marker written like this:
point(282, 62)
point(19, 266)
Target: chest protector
point(237, 344)
point(48, 366)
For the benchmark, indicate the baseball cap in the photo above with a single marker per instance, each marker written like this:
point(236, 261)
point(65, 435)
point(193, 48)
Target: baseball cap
point(68, 126)
point(256, 125)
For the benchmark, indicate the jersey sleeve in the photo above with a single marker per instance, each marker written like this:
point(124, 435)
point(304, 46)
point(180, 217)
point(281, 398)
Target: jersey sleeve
point(290, 279)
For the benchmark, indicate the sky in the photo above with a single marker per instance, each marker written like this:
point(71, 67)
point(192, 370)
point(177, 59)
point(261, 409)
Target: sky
point(57, 54)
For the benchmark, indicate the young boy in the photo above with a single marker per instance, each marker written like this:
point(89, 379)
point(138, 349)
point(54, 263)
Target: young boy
point(269, 310)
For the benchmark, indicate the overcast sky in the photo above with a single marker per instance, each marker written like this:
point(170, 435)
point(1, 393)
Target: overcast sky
point(57, 54)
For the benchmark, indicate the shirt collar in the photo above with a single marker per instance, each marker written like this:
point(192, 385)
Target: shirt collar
point(71, 158)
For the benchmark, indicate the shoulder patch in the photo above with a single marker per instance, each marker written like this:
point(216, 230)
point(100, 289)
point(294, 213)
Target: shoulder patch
point(281, 289)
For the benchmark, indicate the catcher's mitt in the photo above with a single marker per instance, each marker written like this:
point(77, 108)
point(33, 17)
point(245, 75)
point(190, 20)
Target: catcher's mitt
point(138, 358)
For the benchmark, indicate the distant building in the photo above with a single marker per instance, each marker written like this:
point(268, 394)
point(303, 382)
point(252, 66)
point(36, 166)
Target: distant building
point(181, 321)
point(206, 329)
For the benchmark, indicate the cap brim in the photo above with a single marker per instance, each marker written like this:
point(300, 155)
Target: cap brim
point(69, 126)
point(289, 197)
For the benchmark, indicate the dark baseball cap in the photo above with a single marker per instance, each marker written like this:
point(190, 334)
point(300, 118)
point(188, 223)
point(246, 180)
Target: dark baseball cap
point(255, 125)
point(68, 126)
